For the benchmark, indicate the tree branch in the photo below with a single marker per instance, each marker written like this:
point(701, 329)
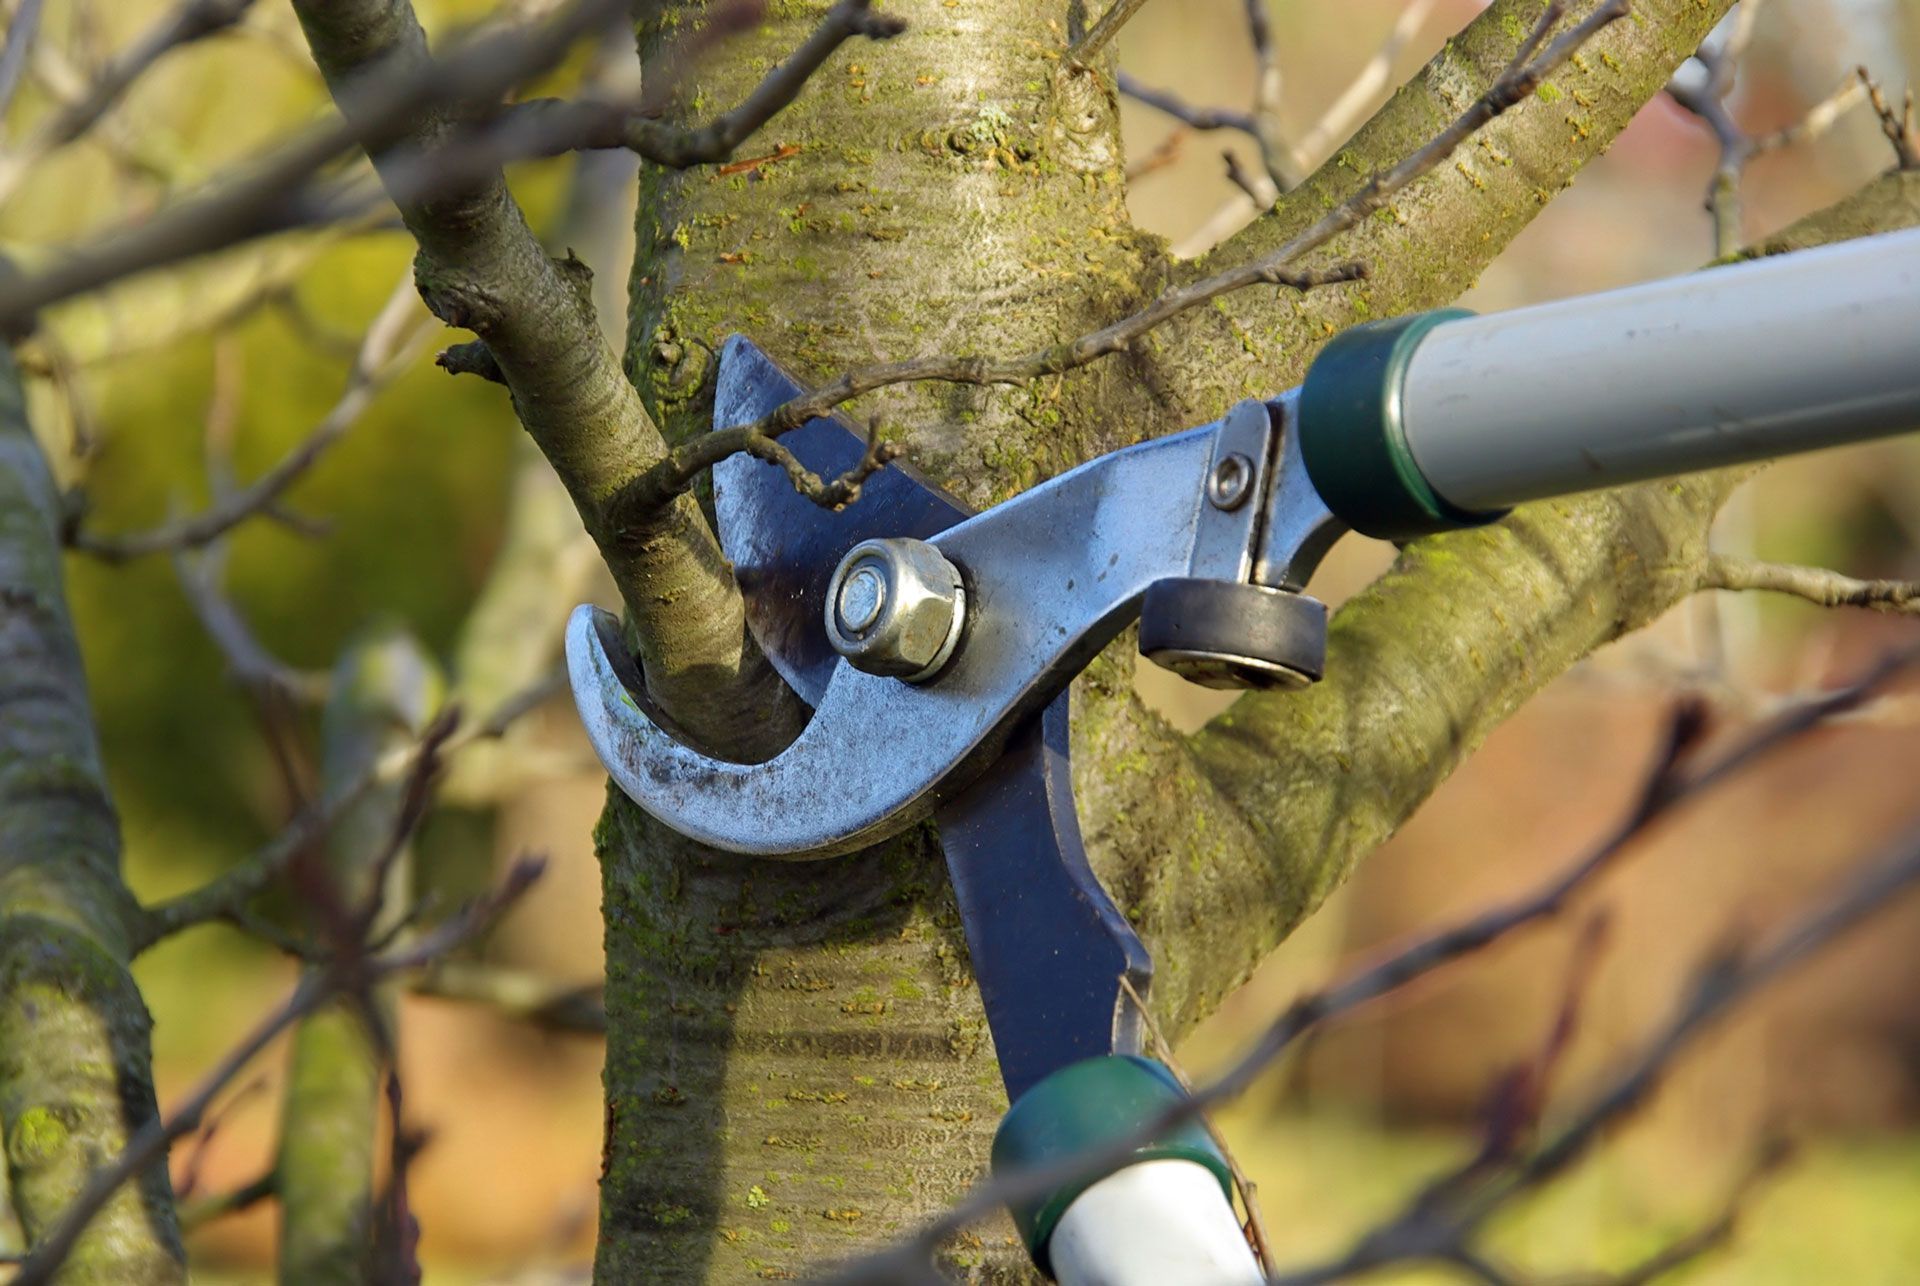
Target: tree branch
point(348, 973)
point(543, 127)
point(273, 194)
point(1898, 127)
point(1815, 584)
point(385, 353)
point(1281, 160)
point(1707, 100)
point(1200, 118)
point(192, 21)
point(1082, 53)
point(482, 269)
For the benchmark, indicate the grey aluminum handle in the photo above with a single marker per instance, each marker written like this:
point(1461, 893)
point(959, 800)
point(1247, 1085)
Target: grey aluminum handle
point(1470, 415)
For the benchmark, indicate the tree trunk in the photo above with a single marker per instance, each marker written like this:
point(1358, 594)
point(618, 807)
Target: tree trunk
point(797, 1064)
point(76, 1077)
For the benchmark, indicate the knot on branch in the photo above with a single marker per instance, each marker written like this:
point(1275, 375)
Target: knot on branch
point(455, 300)
point(471, 358)
point(574, 271)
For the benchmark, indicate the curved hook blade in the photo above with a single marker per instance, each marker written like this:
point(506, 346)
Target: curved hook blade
point(1051, 576)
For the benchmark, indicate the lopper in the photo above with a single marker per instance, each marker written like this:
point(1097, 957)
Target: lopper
point(935, 645)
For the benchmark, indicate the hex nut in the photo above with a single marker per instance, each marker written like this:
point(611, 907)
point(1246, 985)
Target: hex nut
point(895, 607)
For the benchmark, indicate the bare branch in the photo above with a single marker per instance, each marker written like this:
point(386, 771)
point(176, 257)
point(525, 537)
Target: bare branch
point(1707, 100)
point(1898, 127)
point(1815, 584)
point(1200, 118)
point(672, 476)
point(22, 29)
point(1282, 162)
point(1521, 77)
point(545, 127)
point(226, 896)
point(1336, 123)
point(1259, 187)
point(192, 21)
point(273, 194)
point(1082, 53)
point(386, 351)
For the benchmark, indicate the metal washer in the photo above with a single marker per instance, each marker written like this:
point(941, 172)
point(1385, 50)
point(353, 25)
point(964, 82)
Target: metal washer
point(1223, 634)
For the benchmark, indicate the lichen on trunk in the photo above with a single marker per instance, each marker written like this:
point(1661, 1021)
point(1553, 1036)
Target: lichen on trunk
point(76, 1079)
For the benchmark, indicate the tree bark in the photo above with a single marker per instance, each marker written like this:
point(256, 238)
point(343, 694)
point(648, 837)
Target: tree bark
point(76, 1078)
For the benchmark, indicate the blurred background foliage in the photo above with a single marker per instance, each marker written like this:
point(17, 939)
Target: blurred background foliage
point(412, 503)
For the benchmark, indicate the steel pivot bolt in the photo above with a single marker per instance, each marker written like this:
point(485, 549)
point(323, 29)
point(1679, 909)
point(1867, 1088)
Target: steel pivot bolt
point(895, 607)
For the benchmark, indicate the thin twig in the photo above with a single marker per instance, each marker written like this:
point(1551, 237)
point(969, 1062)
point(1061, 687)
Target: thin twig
point(1707, 100)
point(1523, 75)
point(1335, 124)
point(1815, 584)
point(22, 29)
point(674, 474)
point(1281, 162)
point(1256, 1228)
point(229, 893)
point(388, 349)
point(1200, 118)
point(1898, 127)
point(273, 194)
point(190, 22)
point(1082, 53)
point(548, 127)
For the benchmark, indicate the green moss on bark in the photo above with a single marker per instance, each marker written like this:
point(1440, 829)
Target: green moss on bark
point(75, 1060)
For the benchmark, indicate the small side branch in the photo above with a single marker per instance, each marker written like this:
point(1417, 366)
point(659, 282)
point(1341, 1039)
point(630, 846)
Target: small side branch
point(194, 21)
point(1815, 584)
point(1088, 47)
point(656, 488)
point(1200, 118)
point(1897, 126)
point(1706, 99)
point(386, 352)
point(551, 126)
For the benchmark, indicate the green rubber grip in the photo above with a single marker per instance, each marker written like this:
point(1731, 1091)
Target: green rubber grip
point(1353, 434)
point(1085, 1106)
